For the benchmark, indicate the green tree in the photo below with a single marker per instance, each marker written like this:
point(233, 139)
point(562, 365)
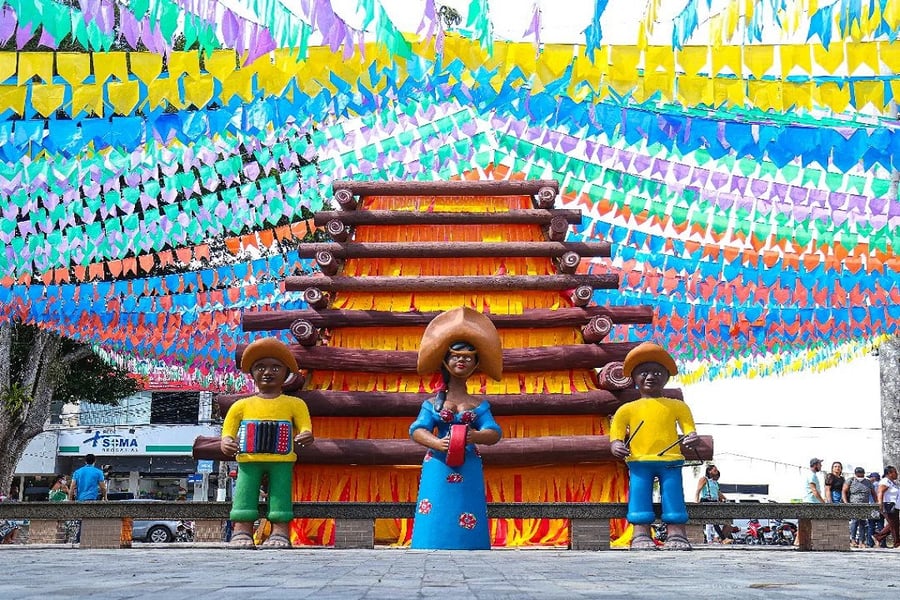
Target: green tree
point(37, 366)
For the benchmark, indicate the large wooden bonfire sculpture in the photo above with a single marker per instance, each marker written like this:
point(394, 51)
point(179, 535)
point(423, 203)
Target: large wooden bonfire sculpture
point(403, 252)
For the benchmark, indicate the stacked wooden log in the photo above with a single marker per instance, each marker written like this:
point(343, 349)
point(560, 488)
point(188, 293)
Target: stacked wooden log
point(559, 284)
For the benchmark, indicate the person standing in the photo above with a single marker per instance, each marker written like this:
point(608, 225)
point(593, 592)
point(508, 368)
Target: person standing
point(813, 485)
point(858, 490)
point(708, 490)
point(88, 482)
point(834, 484)
point(888, 498)
point(877, 521)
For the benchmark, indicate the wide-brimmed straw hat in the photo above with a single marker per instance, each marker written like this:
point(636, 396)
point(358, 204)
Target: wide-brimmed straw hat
point(649, 352)
point(268, 348)
point(461, 325)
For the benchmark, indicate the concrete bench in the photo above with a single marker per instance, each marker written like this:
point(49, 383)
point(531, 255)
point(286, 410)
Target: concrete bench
point(108, 524)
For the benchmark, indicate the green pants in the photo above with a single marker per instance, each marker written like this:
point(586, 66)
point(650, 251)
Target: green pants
point(245, 506)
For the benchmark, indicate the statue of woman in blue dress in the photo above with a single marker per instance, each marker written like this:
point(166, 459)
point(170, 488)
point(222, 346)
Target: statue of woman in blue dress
point(451, 511)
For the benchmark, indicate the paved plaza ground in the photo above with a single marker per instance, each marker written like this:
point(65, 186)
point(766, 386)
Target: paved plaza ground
point(205, 572)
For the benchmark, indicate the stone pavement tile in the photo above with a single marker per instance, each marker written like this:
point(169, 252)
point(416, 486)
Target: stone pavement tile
point(321, 574)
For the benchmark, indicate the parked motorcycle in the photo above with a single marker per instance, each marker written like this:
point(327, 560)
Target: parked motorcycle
point(759, 534)
point(185, 531)
point(784, 532)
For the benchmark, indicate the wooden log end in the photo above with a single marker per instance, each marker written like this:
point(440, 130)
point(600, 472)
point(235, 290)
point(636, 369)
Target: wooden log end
point(568, 263)
point(582, 295)
point(545, 197)
point(304, 332)
point(337, 230)
point(327, 262)
point(597, 329)
point(345, 199)
point(611, 377)
point(316, 298)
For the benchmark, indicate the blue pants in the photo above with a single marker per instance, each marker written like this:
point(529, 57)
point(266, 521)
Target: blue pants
point(640, 493)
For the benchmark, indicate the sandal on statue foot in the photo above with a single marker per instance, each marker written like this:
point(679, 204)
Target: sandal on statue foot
point(677, 542)
point(276, 541)
point(642, 541)
point(241, 541)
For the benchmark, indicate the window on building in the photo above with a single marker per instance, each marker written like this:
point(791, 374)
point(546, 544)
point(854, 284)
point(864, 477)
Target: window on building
point(174, 408)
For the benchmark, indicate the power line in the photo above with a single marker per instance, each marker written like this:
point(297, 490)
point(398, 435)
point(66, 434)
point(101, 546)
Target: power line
point(776, 426)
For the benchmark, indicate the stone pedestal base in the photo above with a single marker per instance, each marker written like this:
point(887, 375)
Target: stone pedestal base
point(823, 535)
point(589, 534)
point(354, 533)
point(105, 533)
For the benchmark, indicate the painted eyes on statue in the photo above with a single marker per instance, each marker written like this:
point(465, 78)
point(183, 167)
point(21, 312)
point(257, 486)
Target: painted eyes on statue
point(267, 368)
point(461, 358)
point(646, 373)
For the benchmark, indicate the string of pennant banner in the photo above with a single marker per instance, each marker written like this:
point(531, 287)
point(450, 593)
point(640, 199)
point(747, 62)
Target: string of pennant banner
point(157, 186)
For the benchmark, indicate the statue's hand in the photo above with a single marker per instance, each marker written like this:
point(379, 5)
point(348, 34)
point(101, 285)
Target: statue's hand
point(229, 446)
point(304, 438)
point(619, 449)
point(691, 439)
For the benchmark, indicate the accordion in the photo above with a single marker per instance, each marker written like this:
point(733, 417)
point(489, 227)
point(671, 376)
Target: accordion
point(265, 437)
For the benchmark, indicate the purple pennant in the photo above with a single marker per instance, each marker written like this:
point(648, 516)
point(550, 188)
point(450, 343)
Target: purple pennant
point(742, 202)
point(46, 39)
point(857, 204)
point(106, 17)
point(699, 176)
point(130, 28)
point(877, 205)
point(23, 35)
point(719, 180)
point(724, 200)
point(817, 197)
point(623, 158)
point(839, 217)
point(801, 213)
point(681, 171)
point(641, 163)
point(798, 194)
point(568, 143)
point(132, 178)
point(89, 10)
point(739, 184)
point(763, 206)
point(261, 43)
point(758, 187)
point(229, 27)
point(837, 200)
point(779, 191)
point(660, 168)
point(8, 22)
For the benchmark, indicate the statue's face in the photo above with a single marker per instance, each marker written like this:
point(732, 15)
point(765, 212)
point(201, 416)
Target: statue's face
point(461, 364)
point(650, 378)
point(269, 374)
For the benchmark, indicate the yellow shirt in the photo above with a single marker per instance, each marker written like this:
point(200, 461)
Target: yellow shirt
point(660, 417)
point(282, 408)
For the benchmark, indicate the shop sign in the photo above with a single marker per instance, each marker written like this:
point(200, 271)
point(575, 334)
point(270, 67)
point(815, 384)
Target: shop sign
point(146, 440)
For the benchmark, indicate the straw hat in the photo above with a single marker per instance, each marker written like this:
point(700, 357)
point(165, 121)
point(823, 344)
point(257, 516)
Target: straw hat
point(461, 325)
point(268, 348)
point(649, 352)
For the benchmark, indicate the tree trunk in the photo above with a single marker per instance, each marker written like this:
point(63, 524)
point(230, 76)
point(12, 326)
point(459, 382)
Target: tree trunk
point(19, 424)
point(889, 363)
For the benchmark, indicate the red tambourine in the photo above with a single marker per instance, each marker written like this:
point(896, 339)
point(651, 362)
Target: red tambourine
point(456, 455)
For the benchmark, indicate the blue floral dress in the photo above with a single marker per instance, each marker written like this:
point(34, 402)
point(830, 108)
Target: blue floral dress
point(451, 512)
